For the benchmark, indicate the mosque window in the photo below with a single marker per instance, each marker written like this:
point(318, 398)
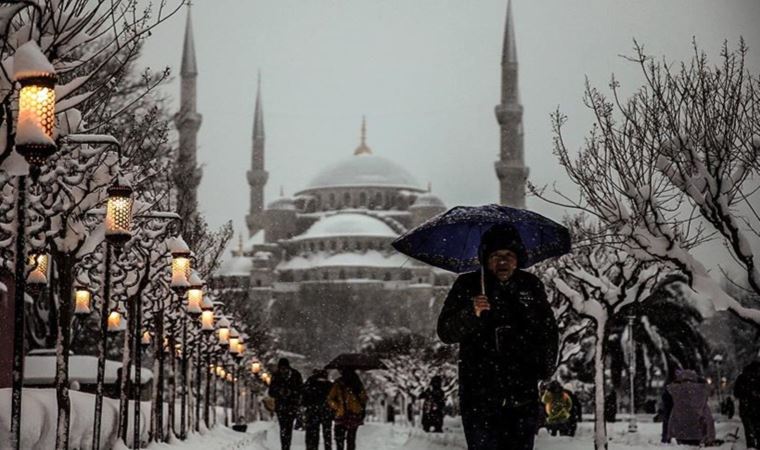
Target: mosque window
point(305, 276)
point(387, 276)
point(360, 273)
point(321, 245)
point(332, 199)
point(333, 245)
point(362, 199)
point(347, 199)
point(342, 274)
point(311, 246)
point(326, 275)
point(378, 200)
point(258, 283)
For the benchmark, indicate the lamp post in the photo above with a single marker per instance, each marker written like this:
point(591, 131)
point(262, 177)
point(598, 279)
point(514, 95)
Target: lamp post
point(195, 310)
point(34, 141)
point(207, 326)
point(632, 425)
point(118, 232)
point(180, 284)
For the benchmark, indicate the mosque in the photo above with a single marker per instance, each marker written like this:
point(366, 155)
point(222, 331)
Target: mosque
point(319, 263)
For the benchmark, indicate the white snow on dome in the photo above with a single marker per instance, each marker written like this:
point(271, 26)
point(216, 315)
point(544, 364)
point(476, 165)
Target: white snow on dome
point(348, 224)
point(428, 200)
point(371, 258)
point(285, 203)
point(237, 266)
point(364, 170)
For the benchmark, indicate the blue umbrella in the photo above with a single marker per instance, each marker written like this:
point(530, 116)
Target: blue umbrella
point(451, 240)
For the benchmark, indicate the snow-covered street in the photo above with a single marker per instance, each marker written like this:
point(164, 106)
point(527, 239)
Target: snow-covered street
point(382, 436)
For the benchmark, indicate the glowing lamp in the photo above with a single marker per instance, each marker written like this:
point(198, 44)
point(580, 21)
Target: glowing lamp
point(119, 213)
point(234, 342)
point(36, 114)
point(37, 277)
point(146, 338)
point(82, 300)
point(229, 377)
point(207, 321)
point(115, 321)
point(194, 301)
point(255, 367)
point(180, 264)
point(224, 331)
point(266, 378)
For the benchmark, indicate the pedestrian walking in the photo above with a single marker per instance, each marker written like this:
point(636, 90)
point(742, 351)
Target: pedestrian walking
point(559, 408)
point(348, 401)
point(434, 401)
point(317, 414)
point(285, 389)
point(691, 421)
point(747, 391)
point(508, 341)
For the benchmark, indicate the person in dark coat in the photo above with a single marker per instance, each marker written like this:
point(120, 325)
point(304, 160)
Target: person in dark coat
point(508, 341)
point(433, 405)
point(691, 421)
point(610, 406)
point(316, 412)
point(747, 391)
point(285, 389)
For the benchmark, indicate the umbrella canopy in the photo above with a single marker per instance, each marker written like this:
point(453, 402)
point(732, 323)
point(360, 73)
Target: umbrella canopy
point(356, 361)
point(451, 240)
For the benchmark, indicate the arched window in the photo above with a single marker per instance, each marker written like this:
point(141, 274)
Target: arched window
point(333, 245)
point(378, 201)
point(311, 246)
point(342, 274)
point(347, 200)
point(322, 245)
point(362, 199)
point(258, 283)
point(331, 200)
point(387, 276)
point(305, 275)
point(326, 275)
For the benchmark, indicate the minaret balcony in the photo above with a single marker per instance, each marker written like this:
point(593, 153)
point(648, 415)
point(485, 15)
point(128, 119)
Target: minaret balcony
point(508, 112)
point(257, 177)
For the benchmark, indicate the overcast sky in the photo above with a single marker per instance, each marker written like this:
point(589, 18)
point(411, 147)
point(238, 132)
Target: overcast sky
point(426, 73)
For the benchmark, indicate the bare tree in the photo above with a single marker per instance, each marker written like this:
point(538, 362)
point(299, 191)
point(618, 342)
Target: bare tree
point(675, 166)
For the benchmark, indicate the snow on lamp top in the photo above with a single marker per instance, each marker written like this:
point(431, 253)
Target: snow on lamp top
point(36, 117)
point(180, 263)
point(195, 294)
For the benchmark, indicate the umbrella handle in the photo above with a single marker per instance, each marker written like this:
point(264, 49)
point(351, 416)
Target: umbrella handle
point(482, 280)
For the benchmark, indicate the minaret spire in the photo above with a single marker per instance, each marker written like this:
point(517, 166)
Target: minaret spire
point(257, 176)
point(510, 168)
point(363, 149)
point(187, 173)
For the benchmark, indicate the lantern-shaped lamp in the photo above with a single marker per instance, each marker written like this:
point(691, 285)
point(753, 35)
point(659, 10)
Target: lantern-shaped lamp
point(229, 377)
point(224, 331)
point(195, 294)
point(115, 321)
point(207, 321)
point(37, 277)
point(119, 213)
point(146, 338)
point(82, 300)
point(255, 367)
point(180, 264)
point(234, 342)
point(36, 116)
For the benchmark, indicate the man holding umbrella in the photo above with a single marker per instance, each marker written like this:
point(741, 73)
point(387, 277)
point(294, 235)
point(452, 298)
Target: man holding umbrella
point(508, 338)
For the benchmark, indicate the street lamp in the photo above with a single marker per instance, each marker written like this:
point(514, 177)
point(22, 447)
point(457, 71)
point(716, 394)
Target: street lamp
point(37, 277)
point(115, 321)
point(36, 115)
point(180, 264)
point(119, 213)
point(82, 300)
point(195, 295)
point(146, 339)
point(224, 331)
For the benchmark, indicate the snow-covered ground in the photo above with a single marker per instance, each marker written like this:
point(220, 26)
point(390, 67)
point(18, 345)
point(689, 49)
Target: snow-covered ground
point(38, 431)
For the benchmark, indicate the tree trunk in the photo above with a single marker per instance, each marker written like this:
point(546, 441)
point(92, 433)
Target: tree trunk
point(600, 429)
point(63, 264)
point(159, 389)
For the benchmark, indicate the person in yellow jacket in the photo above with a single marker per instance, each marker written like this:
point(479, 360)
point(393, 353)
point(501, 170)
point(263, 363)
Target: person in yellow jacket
point(558, 405)
point(348, 400)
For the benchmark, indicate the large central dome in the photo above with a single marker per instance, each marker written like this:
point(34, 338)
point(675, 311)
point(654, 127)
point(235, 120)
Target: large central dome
point(364, 170)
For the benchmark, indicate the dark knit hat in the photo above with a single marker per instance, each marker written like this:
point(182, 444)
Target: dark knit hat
point(283, 362)
point(501, 237)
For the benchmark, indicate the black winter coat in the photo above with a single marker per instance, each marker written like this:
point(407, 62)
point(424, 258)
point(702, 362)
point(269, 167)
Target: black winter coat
point(507, 350)
point(286, 391)
point(315, 392)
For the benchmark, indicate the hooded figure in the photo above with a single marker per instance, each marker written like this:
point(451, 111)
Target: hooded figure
point(508, 341)
point(747, 391)
point(433, 405)
point(691, 421)
point(285, 389)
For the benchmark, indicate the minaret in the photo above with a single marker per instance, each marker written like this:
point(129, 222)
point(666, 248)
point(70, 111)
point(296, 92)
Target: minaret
point(257, 176)
point(510, 168)
point(187, 173)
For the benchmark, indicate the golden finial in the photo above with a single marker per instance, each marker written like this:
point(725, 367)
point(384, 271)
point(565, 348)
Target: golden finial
point(282, 191)
point(363, 149)
point(430, 187)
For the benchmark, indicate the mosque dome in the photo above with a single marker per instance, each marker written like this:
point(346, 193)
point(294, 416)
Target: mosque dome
point(348, 224)
point(364, 169)
point(282, 203)
point(237, 266)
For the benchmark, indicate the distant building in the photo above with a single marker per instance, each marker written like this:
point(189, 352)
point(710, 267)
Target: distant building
point(319, 263)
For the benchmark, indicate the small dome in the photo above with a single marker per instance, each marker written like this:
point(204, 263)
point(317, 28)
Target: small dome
point(282, 203)
point(348, 224)
point(364, 170)
point(428, 200)
point(237, 266)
